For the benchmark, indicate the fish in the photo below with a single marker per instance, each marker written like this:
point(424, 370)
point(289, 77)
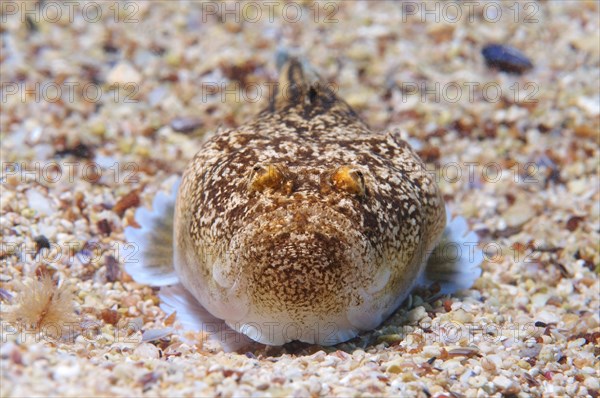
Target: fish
point(302, 224)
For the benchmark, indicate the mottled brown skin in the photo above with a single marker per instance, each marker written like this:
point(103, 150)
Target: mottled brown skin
point(305, 216)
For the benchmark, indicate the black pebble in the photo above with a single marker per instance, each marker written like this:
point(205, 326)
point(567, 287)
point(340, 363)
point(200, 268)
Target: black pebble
point(31, 25)
point(505, 58)
point(80, 151)
point(41, 242)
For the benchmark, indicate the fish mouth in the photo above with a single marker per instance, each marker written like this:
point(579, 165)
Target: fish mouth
point(308, 269)
point(301, 260)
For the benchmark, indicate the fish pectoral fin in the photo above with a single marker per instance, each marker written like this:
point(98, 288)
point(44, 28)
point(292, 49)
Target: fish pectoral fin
point(150, 248)
point(455, 263)
point(193, 317)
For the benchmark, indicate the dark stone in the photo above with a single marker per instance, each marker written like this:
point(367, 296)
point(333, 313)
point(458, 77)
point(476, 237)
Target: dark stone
point(41, 242)
point(80, 150)
point(505, 58)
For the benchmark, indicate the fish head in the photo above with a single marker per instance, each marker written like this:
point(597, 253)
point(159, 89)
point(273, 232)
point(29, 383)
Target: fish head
point(306, 260)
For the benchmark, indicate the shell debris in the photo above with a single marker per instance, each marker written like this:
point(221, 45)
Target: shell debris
point(533, 313)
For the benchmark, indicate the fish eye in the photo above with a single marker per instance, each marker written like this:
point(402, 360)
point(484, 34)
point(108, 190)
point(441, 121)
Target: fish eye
point(349, 179)
point(268, 176)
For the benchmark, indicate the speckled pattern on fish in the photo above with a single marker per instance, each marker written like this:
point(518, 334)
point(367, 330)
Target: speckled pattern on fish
point(305, 215)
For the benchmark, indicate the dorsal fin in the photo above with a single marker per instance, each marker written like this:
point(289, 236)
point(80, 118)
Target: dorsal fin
point(301, 90)
point(297, 85)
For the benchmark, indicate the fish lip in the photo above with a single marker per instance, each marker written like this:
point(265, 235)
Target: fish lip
point(287, 220)
point(359, 260)
point(354, 253)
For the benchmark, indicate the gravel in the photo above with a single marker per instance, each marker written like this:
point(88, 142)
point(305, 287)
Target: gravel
point(525, 148)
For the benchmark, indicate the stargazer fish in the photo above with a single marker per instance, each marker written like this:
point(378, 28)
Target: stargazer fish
point(302, 224)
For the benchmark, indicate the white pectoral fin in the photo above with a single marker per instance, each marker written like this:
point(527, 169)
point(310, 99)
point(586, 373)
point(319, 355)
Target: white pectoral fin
point(150, 260)
point(455, 263)
point(193, 317)
point(150, 257)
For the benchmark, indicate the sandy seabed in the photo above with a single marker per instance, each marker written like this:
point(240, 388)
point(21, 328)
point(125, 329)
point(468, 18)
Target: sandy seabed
point(104, 104)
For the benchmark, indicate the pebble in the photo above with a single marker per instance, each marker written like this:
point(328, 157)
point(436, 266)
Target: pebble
point(590, 104)
point(39, 202)
point(505, 58)
point(395, 367)
point(576, 343)
point(578, 186)
point(156, 334)
point(592, 383)
point(417, 314)
point(495, 359)
point(539, 300)
point(123, 73)
point(519, 213)
point(106, 363)
point(503, 382)
point(185, 124)
point(548, 317)
point(147, 350)
point(66, 371)
point(461, 316)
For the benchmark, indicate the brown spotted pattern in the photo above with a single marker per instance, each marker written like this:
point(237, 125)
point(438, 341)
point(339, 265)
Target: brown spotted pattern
point(306, 216)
